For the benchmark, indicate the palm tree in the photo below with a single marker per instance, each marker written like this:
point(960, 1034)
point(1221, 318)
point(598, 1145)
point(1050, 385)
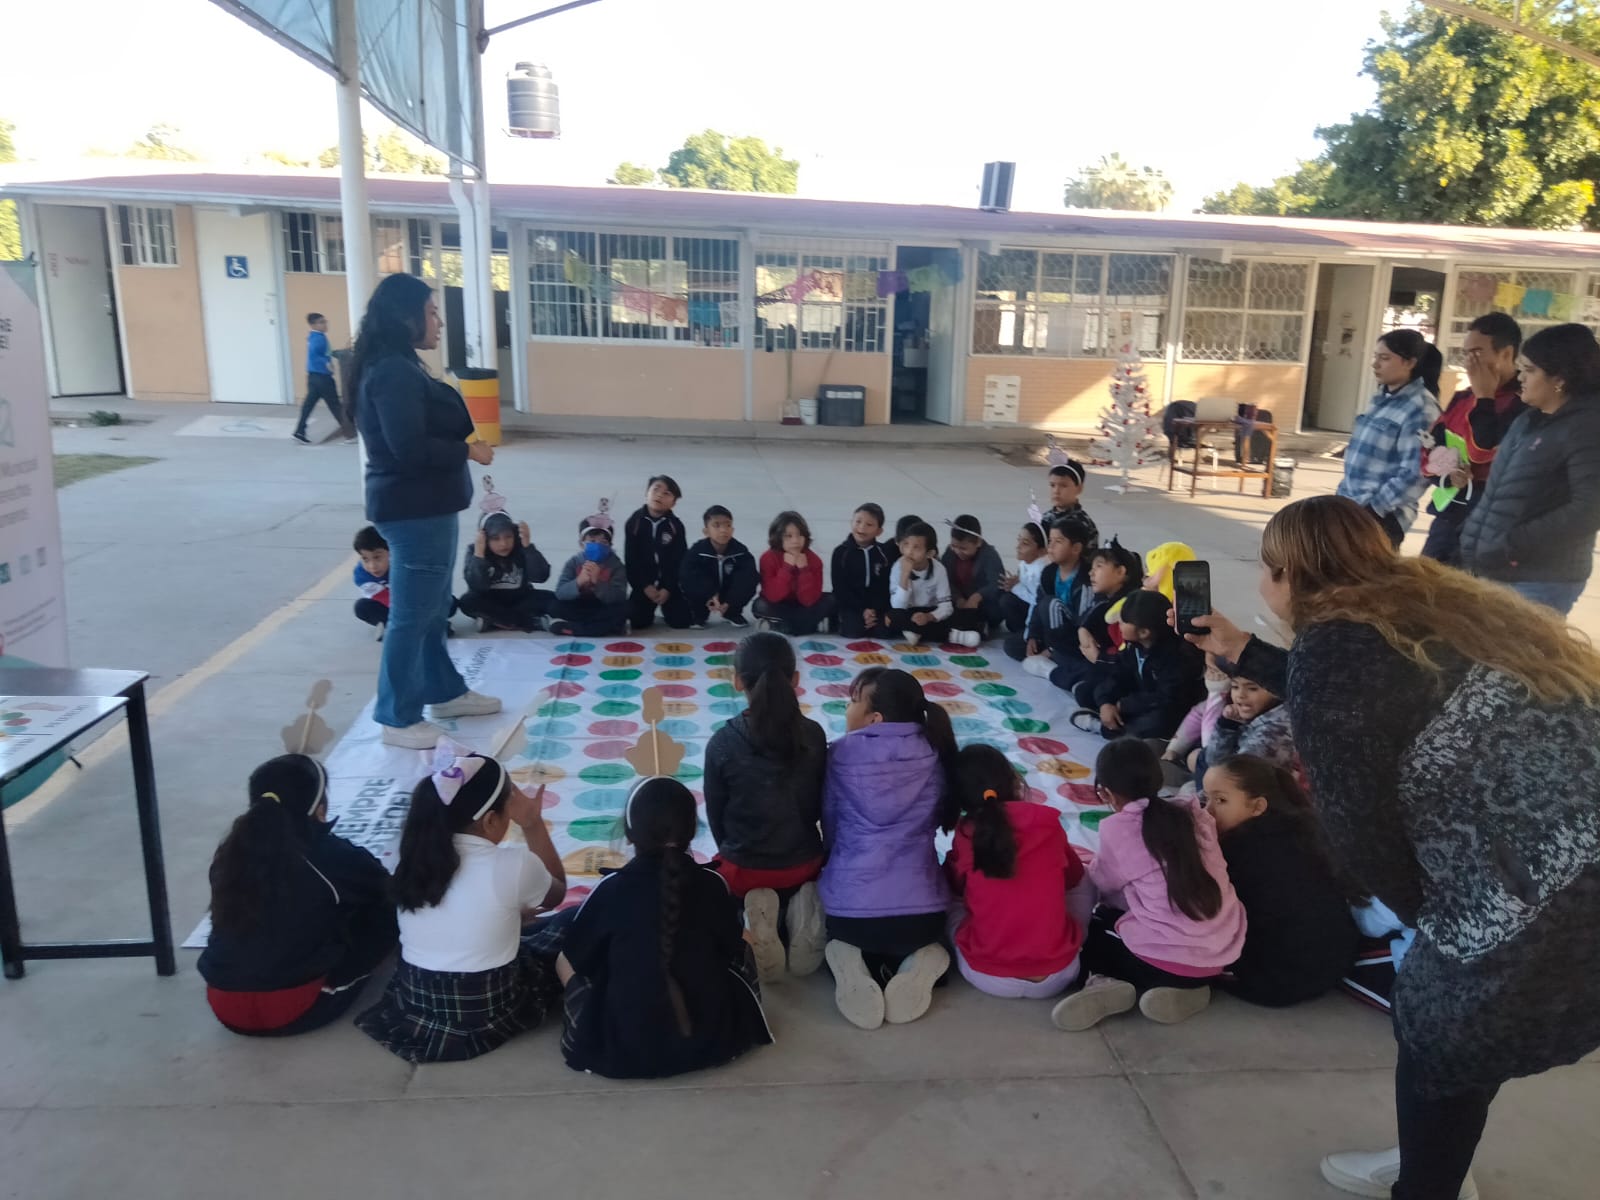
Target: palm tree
point(1115, 183)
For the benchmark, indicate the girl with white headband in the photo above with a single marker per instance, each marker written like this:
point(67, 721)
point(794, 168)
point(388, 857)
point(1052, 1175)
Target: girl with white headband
point(465, 983)
point(299, 916)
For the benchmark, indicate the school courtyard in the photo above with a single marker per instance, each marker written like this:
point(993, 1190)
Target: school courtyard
point(223, 568)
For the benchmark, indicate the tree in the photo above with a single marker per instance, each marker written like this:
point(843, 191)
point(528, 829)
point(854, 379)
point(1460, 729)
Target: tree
point(1471, 126)
point(632, 175)
point(393, 153)
point(1129, 431)
point(10, 226)
point(715, 161)
point(161, 143)
point(1286, 196)
point(284, 159)
point(1113, 183)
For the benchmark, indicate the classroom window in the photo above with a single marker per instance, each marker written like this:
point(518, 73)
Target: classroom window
point(419, 247)
point(821, 300)
point(1535, 299)
point(313, 244)
point(389, 244)
point(148, 236)
point(1246, 310)
point(633, 287)
point(332, 231)
point(1071, 304)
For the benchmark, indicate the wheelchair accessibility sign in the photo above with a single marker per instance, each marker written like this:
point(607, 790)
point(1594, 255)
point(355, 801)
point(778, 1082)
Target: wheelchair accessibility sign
point(238, 266)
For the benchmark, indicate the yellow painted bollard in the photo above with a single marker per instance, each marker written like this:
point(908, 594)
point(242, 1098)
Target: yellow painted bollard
point(481, 390)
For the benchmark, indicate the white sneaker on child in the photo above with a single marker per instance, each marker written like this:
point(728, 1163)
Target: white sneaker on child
point(1168, 1005)
point(855, 992)
point(910, 992)
point(1364, 1173)
point(761, 921)
point(966, 637)
point(807, 932)
point(1099, 998)
point(1039, 665)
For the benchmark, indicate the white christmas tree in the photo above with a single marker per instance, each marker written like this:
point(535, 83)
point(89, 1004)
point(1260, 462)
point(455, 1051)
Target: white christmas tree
point(1129, 431)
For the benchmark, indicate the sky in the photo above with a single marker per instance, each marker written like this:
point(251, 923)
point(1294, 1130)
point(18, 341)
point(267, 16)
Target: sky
point(890, 100)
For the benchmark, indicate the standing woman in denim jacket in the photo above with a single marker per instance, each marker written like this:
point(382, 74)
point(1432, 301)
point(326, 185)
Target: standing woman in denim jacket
point(415, 430)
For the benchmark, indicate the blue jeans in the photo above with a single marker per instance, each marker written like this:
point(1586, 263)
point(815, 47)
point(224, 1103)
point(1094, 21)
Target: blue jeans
point(1560, 595)
point(416, 668)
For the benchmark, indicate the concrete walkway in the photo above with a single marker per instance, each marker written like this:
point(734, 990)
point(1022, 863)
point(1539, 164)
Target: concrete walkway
point(223, 569)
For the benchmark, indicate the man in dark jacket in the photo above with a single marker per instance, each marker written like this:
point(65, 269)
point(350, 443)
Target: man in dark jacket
point(653, 548)
point(1535, 526)
point(719, 573)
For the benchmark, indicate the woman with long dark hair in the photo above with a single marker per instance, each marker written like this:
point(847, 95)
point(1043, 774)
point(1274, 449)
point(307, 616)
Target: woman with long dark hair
point(417, 435)
point(1383, 462)
point(1451, 733)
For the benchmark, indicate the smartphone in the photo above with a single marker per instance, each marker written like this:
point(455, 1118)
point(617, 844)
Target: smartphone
point(1191, 583)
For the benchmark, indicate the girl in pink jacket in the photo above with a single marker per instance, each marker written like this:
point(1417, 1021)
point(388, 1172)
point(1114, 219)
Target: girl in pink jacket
point(1168, 921)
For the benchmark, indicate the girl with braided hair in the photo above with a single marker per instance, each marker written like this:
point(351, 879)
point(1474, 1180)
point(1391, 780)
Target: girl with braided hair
point(658, 977)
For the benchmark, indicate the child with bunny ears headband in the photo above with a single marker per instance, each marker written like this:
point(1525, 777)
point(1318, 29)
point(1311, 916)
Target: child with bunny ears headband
point(465, 983)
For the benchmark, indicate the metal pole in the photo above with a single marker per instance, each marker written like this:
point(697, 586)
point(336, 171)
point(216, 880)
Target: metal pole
point(359, 267)
point(482, 282)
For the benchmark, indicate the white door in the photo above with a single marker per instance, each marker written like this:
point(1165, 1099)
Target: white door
point(83, 313)
point(941, 350)
point(243, 310)
point(1345, 356)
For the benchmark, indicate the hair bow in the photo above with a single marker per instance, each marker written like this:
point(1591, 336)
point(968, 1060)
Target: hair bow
point(1035, 513)
point(454, 766)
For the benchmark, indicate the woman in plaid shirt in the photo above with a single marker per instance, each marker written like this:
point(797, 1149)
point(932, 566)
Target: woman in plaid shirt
point(1382, 464)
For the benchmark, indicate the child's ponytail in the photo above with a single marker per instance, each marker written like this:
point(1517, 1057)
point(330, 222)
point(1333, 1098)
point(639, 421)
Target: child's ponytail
point(265, 840)
point(986, 781)
point(1130, 769)
point(764, 663)
point(660, 821)
point(444, 803)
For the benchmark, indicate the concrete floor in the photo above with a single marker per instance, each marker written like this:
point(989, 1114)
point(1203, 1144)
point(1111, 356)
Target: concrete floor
point(223, 569)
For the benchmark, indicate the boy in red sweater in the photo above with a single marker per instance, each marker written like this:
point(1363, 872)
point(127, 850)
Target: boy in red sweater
point(792, 600)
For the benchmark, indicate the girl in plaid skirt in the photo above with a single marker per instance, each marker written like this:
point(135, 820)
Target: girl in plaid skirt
point(465, 983)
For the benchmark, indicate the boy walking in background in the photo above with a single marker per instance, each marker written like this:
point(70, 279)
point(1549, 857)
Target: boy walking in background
point(319, 380)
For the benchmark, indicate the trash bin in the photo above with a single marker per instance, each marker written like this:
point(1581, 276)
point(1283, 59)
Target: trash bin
point(841, 405)
point(1282, 477)
point(480, 388)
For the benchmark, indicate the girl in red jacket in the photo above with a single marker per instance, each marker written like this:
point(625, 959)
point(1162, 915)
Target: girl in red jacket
point(792, 600)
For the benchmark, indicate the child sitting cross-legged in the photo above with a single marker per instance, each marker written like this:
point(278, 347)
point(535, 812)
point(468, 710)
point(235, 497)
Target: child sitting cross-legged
point(1155, 678)
point(465, 983)
point(500, 570)
point(975, 572)
point(299, 916)
point(1169, 922)
point(719, 575)
point(1022, 585)
point(1023, 901)
point(763, 789)
point(1063, 599)
point(1300, 938)
point(592, 595)
point(888, 788)
point(1253, 721)
point(920, 606)
point(792, 599)
point(372, 578)
point(861, 575)
point(1087, 653)
point(657, 974)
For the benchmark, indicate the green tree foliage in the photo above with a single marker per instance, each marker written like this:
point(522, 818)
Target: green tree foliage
point(1471, 126)
point(161, 143)
point(284, 159)
point(10, 228)
point(1113, 183)
point(1286, 196)
point(715, 161)
point(632, 175)
point(392, 153)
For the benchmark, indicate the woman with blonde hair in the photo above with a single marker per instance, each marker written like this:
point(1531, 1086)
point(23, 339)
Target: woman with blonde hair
point(1451, 734)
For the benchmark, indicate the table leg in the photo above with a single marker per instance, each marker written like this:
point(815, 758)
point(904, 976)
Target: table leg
point(1194, 479)
point(1172, 461)
point(1272, 462)
point(144, 789)
point(10, 929)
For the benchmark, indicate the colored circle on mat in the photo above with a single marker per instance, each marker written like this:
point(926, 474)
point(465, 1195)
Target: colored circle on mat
point(1081, 794)
point(982, 689)
point(617, 691)
point(985, 676)
point(533, 776)
point(824, 660)
point(1037, 796)
point(969, 660)
point(609, 749)
point(942, 690)
point(677, 727)
point(609, 772)
point(1039, 745)
point(556, 708)
point(835, 708)
point(907, 648)
point(722, 690)
point(565, 691)
point(621, 676)
point(840, 691)
point(958, 708)
point(571, 660)
point(622, 660)
point(673, 647)
point(864, 647)
point(720, 647)
point(720, 673)
point(602, 800)
point(623, 647)
point(554, 729)
point(719, 660)
point(549, 799)
point(1026, 725)
point(830, 674)
point(970, 726)
point(1092, 819)
point(615, 708)
point(687, 771)
point(675, 691)
point(594, 829)
point(674, 674)
point(920, 660)
point(1065, 768)
point(727, 708)
point(679, 708)
point(575, 647)
point(674, 660)
point(874, 660)
point(928, 673)
point(817, 647)
point(566, 673)
point(546, 749)
point(980, 741)
point(613, 728)
point(1014, 708)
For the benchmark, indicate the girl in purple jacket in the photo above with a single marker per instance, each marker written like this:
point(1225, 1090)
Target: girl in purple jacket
point(887, 789)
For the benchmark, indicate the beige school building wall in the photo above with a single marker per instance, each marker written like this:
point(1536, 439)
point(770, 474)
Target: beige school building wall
point(617, 379)
point(163, 322)
point(811, 369)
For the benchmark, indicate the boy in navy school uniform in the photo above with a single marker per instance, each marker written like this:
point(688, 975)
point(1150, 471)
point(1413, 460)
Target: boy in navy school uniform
point(654, 542)
point(719, 573)
point(319, 380)
point(861, 576)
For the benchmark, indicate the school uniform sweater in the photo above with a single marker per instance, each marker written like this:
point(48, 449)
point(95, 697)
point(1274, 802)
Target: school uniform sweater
point(730, 575)
point(979, 574)
point(1074, 510)
point(927, 589)
point(861, 576)
point(522, 568)
point(1162, 683)
point(1071, 592)
point(654, 548)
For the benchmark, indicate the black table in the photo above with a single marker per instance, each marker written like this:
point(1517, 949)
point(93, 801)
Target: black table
point(128, 687)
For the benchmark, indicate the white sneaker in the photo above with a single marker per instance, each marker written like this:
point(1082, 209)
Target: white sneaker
point(1039, 665)
point(468, 704)
point(855, 992)
point(1372, 1173)
point(910, 992)
point(424, 735)
point(1169, 1006)
point(1098, 999)
point(966, 637)
point(912, 637)
point(761, 922)
point(807, 936)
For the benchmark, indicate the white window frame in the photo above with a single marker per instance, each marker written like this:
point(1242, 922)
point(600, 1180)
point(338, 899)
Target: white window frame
point(845, 324)
point(149, 235)
point(1248, 310)
point(1453, 325)
point(1104, 309)
point(327, 238)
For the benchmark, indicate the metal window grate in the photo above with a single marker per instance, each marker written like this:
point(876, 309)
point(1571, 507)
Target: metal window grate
point(1247, 310)
point(389, 243)
point(822, 298)
point(300, 243)
point(148, 236)
point(1478, 293)
point(1071, 304)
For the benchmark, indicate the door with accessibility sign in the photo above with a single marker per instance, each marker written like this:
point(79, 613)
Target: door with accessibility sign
point(246, 346)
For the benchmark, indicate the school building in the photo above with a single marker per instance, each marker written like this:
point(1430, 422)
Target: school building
point(636, 302)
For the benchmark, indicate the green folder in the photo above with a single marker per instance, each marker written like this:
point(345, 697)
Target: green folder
point(1443, 497)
